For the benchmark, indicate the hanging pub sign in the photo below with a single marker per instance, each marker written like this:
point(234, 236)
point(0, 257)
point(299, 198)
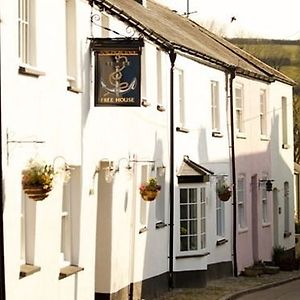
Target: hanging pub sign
point(117, 72)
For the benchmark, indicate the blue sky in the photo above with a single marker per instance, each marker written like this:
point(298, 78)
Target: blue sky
point(254, 18)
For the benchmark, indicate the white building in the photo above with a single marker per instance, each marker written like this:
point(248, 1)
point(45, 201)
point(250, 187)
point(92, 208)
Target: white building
point(95, 235)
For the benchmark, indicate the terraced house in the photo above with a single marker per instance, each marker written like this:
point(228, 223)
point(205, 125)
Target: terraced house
point(114, 94)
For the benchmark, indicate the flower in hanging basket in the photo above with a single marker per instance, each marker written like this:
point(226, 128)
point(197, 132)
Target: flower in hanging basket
point(223, 191)
point(37, 179)
point(150, 189)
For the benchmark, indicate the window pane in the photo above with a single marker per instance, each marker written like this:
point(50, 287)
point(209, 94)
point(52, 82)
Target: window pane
point(193, 196)
point(203, 241)
point(183, 228)
point(183, 195)
point(193, 227)
point(193, 243)
point(193, 211)
point(183, 244)
point(183, 212)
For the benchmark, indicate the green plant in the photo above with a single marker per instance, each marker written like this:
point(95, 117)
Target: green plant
point(277, 255)
point(222, 187)
point(150, 185)
point(297, 227)
point(38, 174)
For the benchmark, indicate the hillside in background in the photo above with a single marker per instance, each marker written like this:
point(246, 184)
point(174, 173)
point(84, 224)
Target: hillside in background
point(283, 55)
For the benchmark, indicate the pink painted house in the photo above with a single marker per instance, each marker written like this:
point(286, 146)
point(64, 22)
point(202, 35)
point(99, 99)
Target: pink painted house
point(262, 141)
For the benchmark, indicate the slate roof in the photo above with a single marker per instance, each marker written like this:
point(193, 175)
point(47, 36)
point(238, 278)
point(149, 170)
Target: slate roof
point(174, 32)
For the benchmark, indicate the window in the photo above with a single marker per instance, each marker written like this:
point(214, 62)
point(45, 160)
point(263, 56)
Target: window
point(241, 201)
point(192, 219)
point(179, 96)
point(69, 219)
point(159, 76)
point(26, 36)
point(215, 110)
point(143, 204)
point(239, 108)
point(284, 122)
point(263, 113)
point(264, 199)
point(286, 207)
point(160, 201)
point(28, 229)
point(71, 47)
point(220, 217)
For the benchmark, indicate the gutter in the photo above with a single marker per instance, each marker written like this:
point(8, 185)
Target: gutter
point(2, 270)
point(232, 73)
point(172, 56)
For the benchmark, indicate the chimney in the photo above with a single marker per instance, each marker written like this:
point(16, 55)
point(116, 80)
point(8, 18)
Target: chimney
point(143, 2)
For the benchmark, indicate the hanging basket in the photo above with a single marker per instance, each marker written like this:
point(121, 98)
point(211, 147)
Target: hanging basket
point(225, 196)
point(37, 193)
point(149, 195)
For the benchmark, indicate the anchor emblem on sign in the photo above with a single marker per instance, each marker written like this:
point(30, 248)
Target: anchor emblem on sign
point(118, 87)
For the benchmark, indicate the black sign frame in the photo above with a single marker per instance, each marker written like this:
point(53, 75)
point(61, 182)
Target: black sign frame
point(117, 80)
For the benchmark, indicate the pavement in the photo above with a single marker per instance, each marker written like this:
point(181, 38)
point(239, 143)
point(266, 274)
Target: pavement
point(232, 287)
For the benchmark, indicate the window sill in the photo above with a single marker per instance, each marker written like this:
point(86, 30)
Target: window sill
point(145, 103)
point(285, 146)
point(31, 71)
point(287, 234)
point(160, 107)
point(264, 138)
point(192, 255)
point(182, 129)
point(74, 89)
point(217, 134)
point(243, 230)
point(68, 271)
point(241, 136)
point(266, 225)
point(142, 230)
point(160, 224)
point(26, 270)
point(221, 242)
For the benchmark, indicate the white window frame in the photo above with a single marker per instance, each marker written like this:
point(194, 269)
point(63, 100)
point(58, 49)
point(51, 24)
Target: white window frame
point(28, 228)
point(286, 197)
point(145, 175)
point(200, 218)
point(71, 45)
point(220, 218)
point(239, 108)
point(26, 27)
point(160, 83)
point(241, 201)
point(69, 219)
point(264, 199)
point(179, 96)
point(284, 121)
point(263, 112)
point(160, 200)
point(215, 106)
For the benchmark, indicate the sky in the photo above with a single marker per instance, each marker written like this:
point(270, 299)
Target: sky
point(273, 19)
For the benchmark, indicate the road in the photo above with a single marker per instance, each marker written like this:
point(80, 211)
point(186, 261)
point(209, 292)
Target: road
point(287, 291)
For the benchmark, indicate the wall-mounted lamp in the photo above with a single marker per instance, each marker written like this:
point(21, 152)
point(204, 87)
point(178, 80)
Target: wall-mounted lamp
point(161, 170)
point(60, 165)
point(268, 183)
point(109, 173)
